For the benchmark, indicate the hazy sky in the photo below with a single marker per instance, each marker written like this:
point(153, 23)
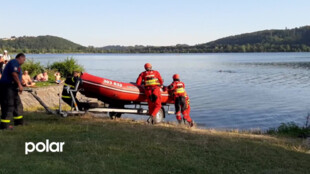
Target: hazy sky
point(148, 22)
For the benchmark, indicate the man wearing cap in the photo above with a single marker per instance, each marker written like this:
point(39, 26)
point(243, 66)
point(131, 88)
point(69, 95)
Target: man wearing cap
point(152, 83)
point(10, 86)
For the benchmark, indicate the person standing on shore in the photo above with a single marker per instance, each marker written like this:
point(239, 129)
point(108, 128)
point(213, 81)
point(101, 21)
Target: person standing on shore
point(181, 100)
point(152, 83)
point(6, 56)
point(1, 64)
point(10, 86)
point(71, 83)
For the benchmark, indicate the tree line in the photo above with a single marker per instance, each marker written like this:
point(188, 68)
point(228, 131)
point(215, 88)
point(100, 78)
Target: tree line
point(287, 40)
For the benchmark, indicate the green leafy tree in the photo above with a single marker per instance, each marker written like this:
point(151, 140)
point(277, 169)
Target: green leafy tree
point(67, 66)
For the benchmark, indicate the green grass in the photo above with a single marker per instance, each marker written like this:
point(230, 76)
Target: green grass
point(44, 84)
point(48, 83)
point(51, 80)
point(96, 145)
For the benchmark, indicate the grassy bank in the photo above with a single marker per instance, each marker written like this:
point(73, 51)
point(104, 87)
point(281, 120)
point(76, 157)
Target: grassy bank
point(96, 145)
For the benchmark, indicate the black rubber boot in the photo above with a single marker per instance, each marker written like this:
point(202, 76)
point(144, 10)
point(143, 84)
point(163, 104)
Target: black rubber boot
point(180, 121)
point(19, 122)
point(191, 124)
point(4, 126)
point(150, 120)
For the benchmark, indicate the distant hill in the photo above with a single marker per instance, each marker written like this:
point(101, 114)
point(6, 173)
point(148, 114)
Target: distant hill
point(297, 39)
point(287, 40)
point(288, 36)
point(40, 44)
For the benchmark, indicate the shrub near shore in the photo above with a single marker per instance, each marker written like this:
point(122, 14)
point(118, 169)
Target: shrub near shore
point(67, 66)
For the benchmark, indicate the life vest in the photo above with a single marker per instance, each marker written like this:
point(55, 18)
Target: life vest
point(70, 82)
point(179, 88)
point(150, 79)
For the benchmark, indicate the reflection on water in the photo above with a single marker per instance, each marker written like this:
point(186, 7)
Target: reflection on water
point(244, 91)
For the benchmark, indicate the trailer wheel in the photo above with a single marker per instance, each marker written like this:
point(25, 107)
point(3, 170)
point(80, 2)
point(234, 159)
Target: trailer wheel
point(160, 116)
point(114, 115)
point(63, 114)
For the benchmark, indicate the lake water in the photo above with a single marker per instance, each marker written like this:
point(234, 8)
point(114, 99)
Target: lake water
point(227, 91)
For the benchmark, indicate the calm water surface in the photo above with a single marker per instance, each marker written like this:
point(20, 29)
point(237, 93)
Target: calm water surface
point(227, 91)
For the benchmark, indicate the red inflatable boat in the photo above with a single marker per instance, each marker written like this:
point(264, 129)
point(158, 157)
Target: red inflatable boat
point(114, 92)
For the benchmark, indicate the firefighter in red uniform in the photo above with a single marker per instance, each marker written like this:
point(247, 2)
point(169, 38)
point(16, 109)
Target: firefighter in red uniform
point(152, 83)
point(181, 100)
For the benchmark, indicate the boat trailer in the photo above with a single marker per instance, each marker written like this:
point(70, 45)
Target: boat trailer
point(95, 108)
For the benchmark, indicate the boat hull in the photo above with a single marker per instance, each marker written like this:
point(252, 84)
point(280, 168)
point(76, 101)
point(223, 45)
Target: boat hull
point(116, 92)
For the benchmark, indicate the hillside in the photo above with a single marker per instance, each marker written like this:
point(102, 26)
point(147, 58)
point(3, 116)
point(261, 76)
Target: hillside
point(297, 39)
point(40, 44)
point(288, 40)
point(101, 145)
point(292, 36)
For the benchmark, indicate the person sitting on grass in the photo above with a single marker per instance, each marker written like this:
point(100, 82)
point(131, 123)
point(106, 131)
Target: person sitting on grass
point(26, 80)
point(38, 77)
point(42, 77)
point(58, 78)
point(45, 76)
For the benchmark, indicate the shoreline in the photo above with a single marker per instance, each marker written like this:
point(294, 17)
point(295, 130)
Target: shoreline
point(49, 95)
point(170, 53)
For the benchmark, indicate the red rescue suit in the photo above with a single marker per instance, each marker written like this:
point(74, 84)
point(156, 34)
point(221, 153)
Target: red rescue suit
point(181, 100)
point(152, 83)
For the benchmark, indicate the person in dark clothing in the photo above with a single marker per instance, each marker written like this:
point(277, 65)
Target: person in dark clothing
point(70, 84)
point(10, 86)
point(1, 64)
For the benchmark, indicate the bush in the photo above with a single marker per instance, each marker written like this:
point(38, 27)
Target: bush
point(33, 67)
point(50, 73)
point(290, 129)
point(66, 67)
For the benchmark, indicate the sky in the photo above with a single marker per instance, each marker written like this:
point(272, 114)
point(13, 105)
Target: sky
point(148, 22)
